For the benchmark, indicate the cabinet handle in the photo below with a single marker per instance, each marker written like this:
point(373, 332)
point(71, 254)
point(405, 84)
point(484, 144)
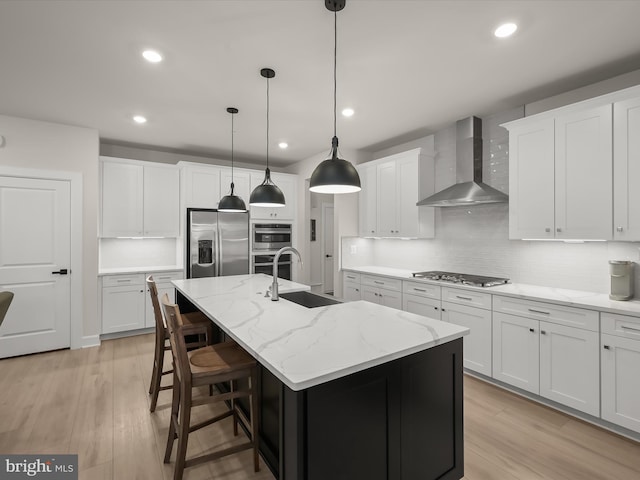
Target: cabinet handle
point(464, 298)
point(619, 229)
point(141, 291)
point(630, 328)
point(123, 281)
point(379, 283)
point(547, 229)
point(442, 309)
point(357, 290)
point(435, 308)
point(539, 311)
point(420, 290)
point(543, 332)
point(373, 231)
point(531, 330)
point(606, 347)
point(558, 229)
point(352, 278)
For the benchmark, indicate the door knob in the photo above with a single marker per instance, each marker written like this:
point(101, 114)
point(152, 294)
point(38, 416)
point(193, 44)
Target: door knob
point(328, 256)
point(62, 271)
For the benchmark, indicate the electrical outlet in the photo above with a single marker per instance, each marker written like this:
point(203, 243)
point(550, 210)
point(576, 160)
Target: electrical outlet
point(354, 249)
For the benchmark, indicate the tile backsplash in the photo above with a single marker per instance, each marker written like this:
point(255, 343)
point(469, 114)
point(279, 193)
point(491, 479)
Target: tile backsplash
point(475, 239)
point(144, 252)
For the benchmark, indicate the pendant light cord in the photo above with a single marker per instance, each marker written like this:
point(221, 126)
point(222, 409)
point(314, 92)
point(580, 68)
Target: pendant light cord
point(232, 115)
point(267, 124)
point(335, 62)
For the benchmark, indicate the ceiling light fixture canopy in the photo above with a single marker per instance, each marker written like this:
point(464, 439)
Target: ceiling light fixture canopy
point(232, 202)
point(335, 175)
point(267, 194)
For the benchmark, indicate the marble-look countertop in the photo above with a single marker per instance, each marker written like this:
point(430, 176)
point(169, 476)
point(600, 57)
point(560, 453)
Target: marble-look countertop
point(119, 270)
point(304, 347)
point(559, 296)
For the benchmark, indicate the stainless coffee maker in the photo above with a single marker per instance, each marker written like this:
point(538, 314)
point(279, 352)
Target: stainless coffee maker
point(621, 272)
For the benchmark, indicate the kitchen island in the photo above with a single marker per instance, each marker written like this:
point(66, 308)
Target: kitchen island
point(348, 391)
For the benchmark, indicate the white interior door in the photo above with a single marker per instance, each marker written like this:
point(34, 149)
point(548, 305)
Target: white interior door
point(327, 240)
point(35, 244)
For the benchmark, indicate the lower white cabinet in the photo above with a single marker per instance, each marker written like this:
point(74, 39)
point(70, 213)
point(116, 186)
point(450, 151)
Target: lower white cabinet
point(426, 307)
point(555, 358)
point(126, 303)
point(620, 367)
point(516, 351)
point(477, 345)
point(382, 296)
point(351, 287)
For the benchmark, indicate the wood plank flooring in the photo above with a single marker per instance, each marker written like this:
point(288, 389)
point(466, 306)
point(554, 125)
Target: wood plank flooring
point(94, 402)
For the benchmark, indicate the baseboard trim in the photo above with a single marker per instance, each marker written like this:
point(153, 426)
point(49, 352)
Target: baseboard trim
point(90, 341)
point(128, 333)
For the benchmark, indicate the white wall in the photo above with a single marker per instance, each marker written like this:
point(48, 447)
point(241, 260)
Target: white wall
point(49, 146)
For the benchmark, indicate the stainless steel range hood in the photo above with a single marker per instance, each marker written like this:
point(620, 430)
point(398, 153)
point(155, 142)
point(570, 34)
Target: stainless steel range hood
point(469, 189)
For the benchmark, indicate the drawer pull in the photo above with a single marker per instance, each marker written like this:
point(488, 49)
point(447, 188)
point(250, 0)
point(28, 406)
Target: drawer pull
point(123, 281)
point(606, 347)
point(539, 311)
point(543, 332)
point(464, 298)
point(379, 283)
point(630, 328)
point(420, 290)
point(352, 278)
point(357, 289)
point(531, 330)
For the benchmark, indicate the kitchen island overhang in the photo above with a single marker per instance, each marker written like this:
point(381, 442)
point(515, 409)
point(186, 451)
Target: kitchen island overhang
point(359, 390)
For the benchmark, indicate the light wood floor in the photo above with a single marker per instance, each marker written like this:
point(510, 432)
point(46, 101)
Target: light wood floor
point(94, 402)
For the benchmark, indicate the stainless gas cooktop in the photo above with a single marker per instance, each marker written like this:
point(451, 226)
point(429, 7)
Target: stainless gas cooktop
point(462, 278)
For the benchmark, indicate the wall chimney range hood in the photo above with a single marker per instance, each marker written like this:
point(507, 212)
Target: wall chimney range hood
point(469, 189)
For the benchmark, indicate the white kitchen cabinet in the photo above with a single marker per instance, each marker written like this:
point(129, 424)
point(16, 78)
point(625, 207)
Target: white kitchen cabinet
point(569, 372)
point(626, 170)
point(123, 303)
point(424, 306)
point(201, 185)
point(477, 345)
point(560, 175)
point(139, 199)
point(531, 180)
point(286, 183)
point(620, 364)
point(351, 287)
point(382, 296)
point(391, 187)
point(550, 350)
point(584, 173)
point(126, 303)
point(516, 351)
point(161, 194)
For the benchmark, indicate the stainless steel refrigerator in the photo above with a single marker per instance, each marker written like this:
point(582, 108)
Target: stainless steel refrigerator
point(217, 243)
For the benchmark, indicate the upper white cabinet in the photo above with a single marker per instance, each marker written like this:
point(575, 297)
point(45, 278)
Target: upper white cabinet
point(286, 183)
point(626, 170)
point(560, 175)
point(391, 187)
point(201, 186)
point(139, 199)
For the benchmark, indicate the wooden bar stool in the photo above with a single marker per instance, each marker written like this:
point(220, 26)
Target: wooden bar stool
point(213, 364)
point(203, 329)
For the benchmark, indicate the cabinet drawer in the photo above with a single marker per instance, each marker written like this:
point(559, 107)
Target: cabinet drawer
point(422, 289)
point(351, 277)
point(466, 297)
point(123, 280)
point(382, 282)
point(620, 325)
point(570, 316)
point(165, 277)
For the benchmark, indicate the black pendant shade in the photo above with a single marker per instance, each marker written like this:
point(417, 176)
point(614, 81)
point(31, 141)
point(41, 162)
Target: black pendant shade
point(231, 202)
point(335, 175)
point(267, 194)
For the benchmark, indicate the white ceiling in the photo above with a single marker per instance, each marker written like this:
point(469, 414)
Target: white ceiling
point(408, 68)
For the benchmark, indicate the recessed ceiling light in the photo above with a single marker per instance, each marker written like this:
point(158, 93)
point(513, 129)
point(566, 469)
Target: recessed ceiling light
point(152, 56)
point(505, 30)
point(348, 112)
point(283, 145)
point(139, 119)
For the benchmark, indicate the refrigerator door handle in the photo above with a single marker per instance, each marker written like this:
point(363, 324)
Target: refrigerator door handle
point(219, 250)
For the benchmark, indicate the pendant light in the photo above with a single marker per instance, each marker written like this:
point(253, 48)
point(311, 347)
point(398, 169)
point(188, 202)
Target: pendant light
point(232, 202)
point(335, 175)
point(267, 194)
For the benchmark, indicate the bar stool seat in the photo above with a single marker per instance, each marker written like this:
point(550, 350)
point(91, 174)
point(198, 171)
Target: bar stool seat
point(207, 366)
point(196, 322)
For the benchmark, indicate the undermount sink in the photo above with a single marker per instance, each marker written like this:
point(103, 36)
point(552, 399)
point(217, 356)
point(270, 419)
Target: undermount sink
point(308, 299)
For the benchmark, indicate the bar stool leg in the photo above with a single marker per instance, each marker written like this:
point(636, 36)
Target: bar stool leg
point(175, 404)
point(156, 379)
point(183, 429)
point(234, 407)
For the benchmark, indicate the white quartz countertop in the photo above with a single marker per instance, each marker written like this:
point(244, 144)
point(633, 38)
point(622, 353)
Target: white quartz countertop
point(305, 347)
point(559, 296)
point(119, 270)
